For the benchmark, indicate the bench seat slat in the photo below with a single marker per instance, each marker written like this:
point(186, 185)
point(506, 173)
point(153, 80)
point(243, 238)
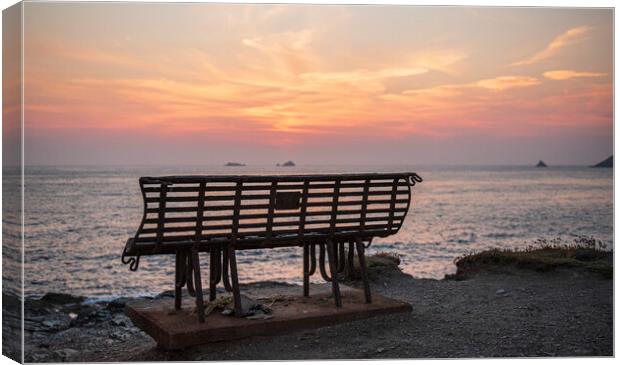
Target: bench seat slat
point(148, 247)
point(262, 224)
point(231, 188)
point(328, 204)
point(267, 179)
point(266, 206)
point(346, 231)
point(266, 196)
point(276, 215)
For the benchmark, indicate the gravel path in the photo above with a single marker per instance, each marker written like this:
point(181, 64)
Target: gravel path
point(507, 314)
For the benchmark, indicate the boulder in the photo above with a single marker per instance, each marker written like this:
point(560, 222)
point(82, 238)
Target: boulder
point(61, 298)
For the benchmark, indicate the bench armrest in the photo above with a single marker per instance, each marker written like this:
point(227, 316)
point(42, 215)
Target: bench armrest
point(132, 261)
point(414, 178)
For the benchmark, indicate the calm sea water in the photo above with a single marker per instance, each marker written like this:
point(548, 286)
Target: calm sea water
point(78, 219)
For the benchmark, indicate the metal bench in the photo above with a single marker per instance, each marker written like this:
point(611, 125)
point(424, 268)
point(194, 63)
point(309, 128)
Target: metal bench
point(185, 215)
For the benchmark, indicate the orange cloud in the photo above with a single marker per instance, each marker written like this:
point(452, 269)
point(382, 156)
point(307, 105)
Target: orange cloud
point(285, 86)
point(570, 74)
point(571, 36)
point(286, 49)
point(507, 82)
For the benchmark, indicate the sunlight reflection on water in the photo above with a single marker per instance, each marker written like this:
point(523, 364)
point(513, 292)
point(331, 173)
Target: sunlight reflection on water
point(78, 218)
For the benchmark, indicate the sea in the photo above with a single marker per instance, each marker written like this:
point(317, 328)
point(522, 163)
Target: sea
point(78, 218)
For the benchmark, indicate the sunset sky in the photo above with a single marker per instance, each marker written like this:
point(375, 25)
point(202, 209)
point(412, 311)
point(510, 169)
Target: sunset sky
point(208, 83)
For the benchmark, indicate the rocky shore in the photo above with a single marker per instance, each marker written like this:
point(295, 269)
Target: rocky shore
point(497, 311)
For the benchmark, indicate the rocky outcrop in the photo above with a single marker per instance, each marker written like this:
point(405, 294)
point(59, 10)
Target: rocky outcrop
point(287, 164)
point(608, 162)
point(446, 322)
point(541, 164)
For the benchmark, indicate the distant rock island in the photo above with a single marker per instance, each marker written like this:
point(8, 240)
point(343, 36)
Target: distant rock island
point(541, 164)
point(234, 164)
point(287, 164)
point(609, 162)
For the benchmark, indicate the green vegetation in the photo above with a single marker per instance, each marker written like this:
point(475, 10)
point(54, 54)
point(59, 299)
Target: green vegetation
point(584, 253)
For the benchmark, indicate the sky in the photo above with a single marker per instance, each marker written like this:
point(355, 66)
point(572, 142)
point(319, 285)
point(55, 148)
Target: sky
point(130, 84)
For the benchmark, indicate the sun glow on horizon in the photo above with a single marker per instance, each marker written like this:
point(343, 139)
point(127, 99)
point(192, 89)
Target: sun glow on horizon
point(302, 75)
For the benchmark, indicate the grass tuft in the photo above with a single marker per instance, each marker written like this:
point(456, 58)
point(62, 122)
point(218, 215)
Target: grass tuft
point(543, 255)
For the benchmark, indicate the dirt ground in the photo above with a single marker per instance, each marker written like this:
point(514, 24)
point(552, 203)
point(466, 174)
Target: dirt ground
point(498, 313)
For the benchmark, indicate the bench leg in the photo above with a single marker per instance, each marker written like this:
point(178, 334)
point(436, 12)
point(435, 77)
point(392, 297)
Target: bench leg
point(350, 259)
point(214, 272)
point(179, 278)
point(312, 259)
point(364, 274)
point(341, 257)
point(232, 257)
point(322, 263)
point(334, 271)
point(189, 271)
point(225, 266)
point(197, 280)
point(306, 270)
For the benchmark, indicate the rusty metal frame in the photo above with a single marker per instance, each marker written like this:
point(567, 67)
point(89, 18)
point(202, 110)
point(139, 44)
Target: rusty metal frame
point(222, 248)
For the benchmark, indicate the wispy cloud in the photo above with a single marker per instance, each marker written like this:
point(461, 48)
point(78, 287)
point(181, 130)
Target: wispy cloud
point(272, 77)
point(507, 82)
point(286, 49)
point(571, 36)
point(571, 74)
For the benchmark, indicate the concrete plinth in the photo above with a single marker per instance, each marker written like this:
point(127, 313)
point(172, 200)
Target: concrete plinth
point(178, 329)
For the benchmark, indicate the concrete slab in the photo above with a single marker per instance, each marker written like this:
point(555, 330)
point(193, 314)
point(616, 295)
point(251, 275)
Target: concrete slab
point(178, 329)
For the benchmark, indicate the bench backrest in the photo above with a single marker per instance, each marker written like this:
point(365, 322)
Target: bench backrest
point(270, 211)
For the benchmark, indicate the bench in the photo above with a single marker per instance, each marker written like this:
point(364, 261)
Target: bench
point(219, 215)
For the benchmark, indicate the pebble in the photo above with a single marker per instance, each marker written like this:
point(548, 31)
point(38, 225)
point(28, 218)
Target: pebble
point(66, 353)
point(49, 323)
point(122, 336)
point(118, 321)
point(526, 342)
point(56, 325)
point(42, 357)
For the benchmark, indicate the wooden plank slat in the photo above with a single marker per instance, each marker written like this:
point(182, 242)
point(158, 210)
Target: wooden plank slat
point(192, 219)
point(229, 227)
point(266, 206)
point(355, 193)
point(171, 199)
point(266, 187)
point(173, 210)
point(270, 178)
point(383, 201)
point(321, 233)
